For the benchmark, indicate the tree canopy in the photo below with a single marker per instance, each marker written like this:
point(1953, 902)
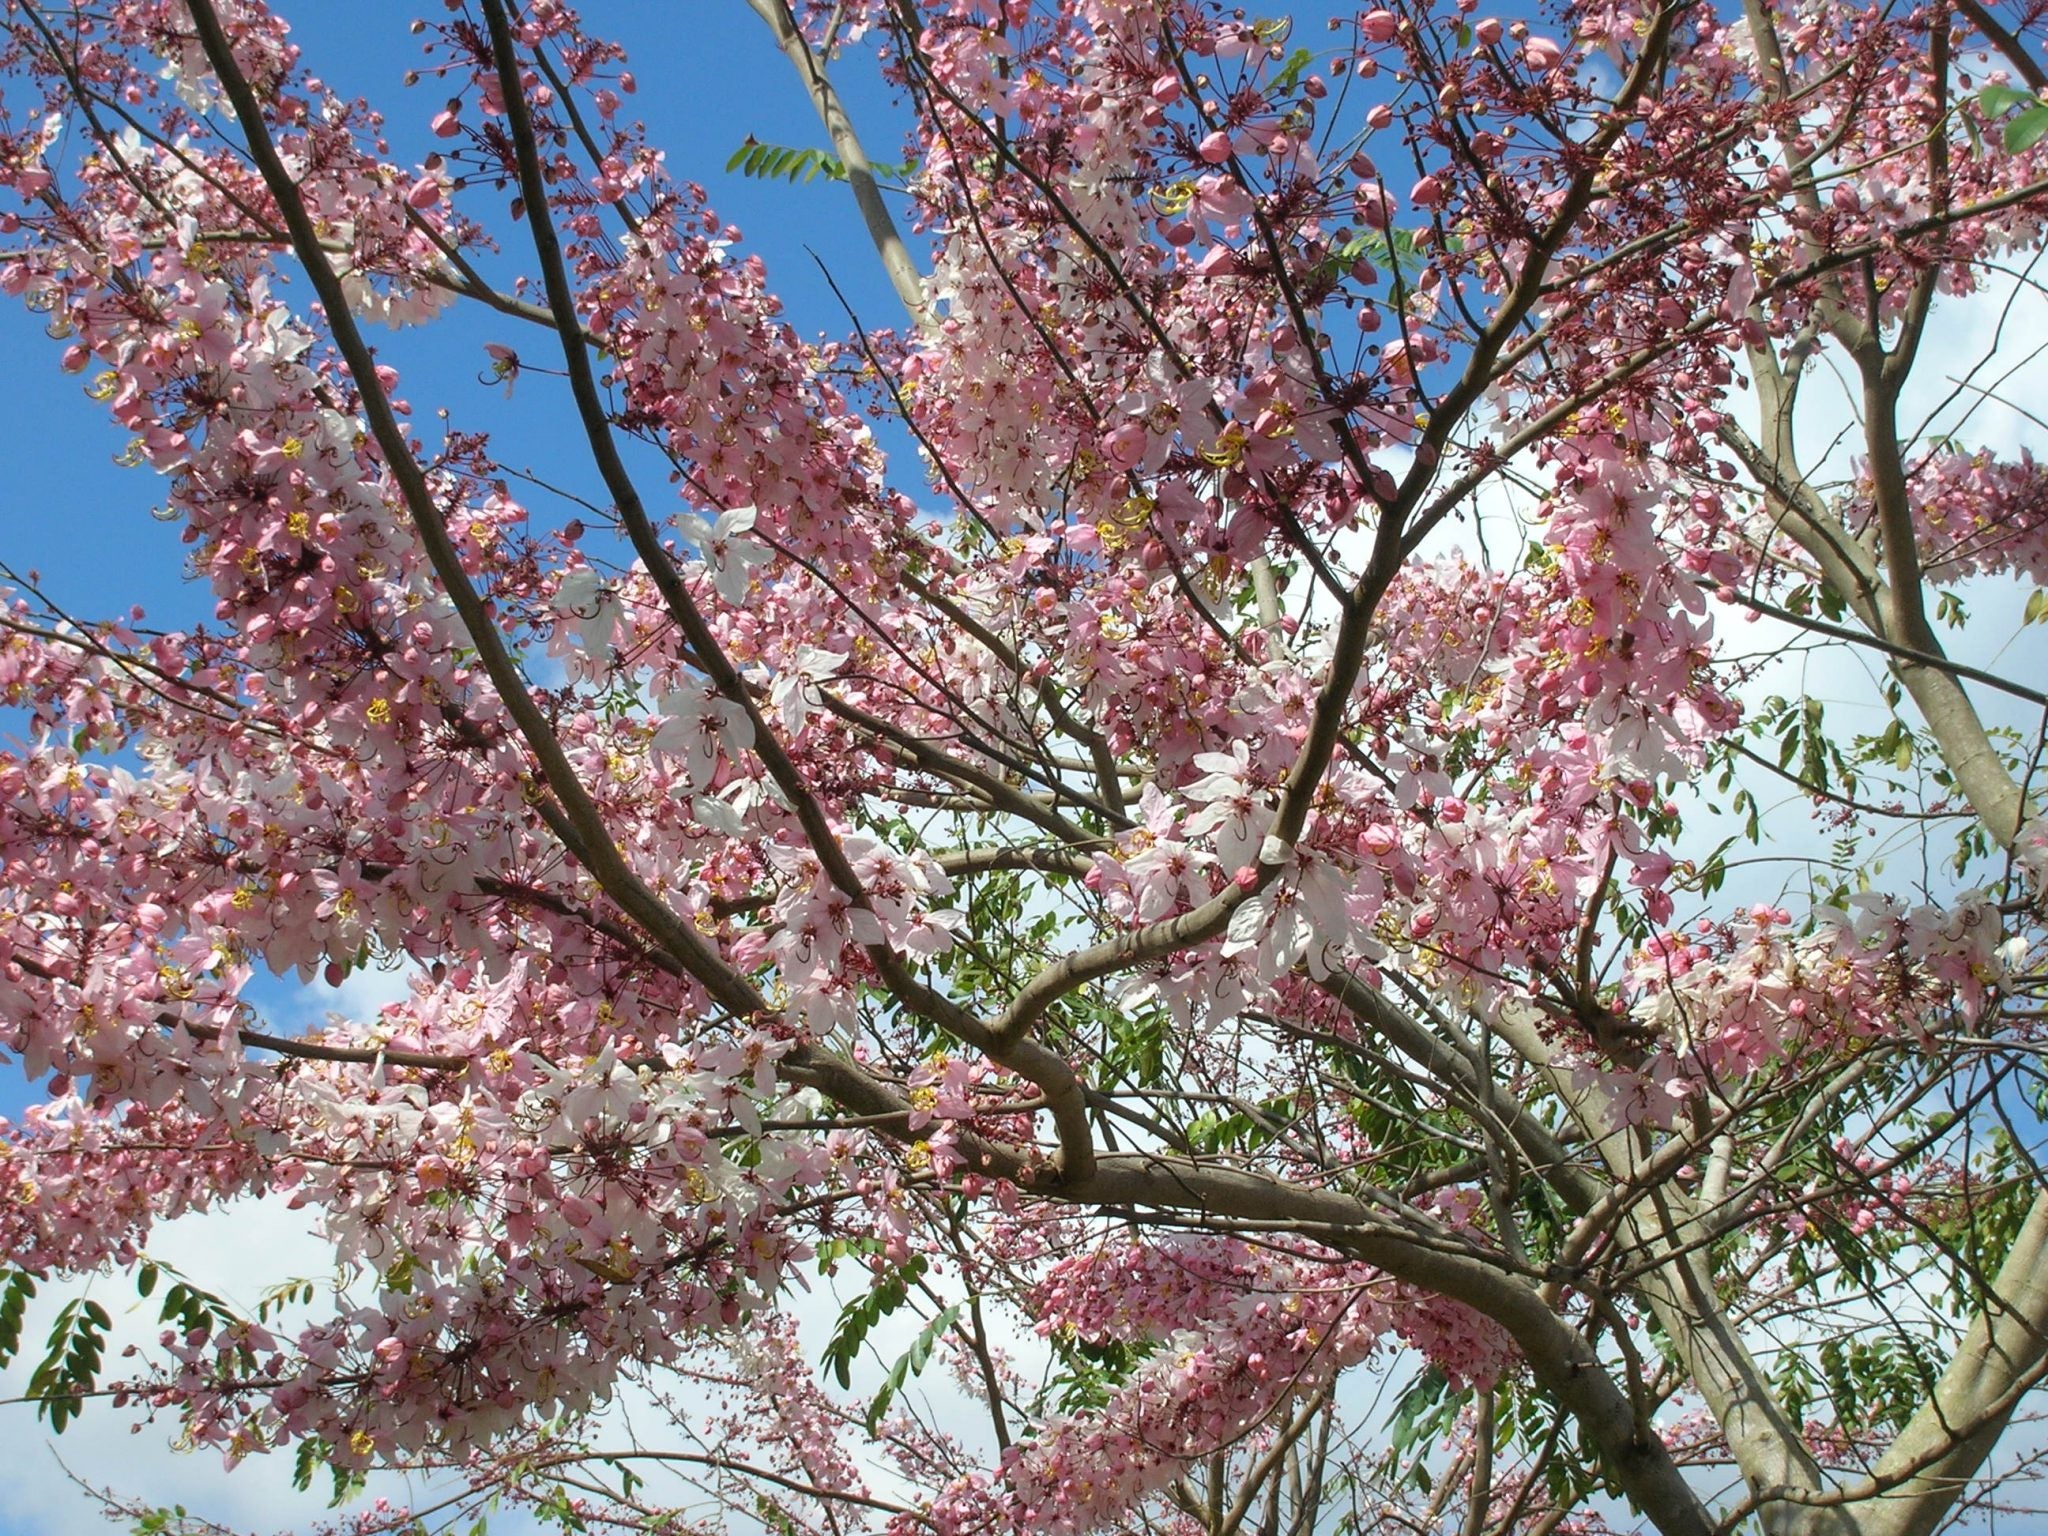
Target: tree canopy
point(1188, 816)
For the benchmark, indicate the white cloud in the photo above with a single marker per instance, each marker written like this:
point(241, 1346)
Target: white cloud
point(361, 995)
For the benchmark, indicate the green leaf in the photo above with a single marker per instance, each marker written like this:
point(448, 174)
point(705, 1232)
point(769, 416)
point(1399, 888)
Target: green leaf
point(1997, 100)
point(1291, 72)
point(929, 1335)
point(629, 1480)
point(911, 1363)
point(277, 1298)
point(777, 162)
point(832, 1249)
point(2026, 130)
point(15, 1292)
point(197, 1313)
point(558, 1508)
point(859, 1316)
point(70, 1368)
point(1424, 1413)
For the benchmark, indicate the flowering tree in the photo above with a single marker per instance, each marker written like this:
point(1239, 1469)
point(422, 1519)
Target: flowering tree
point(1107, 881)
